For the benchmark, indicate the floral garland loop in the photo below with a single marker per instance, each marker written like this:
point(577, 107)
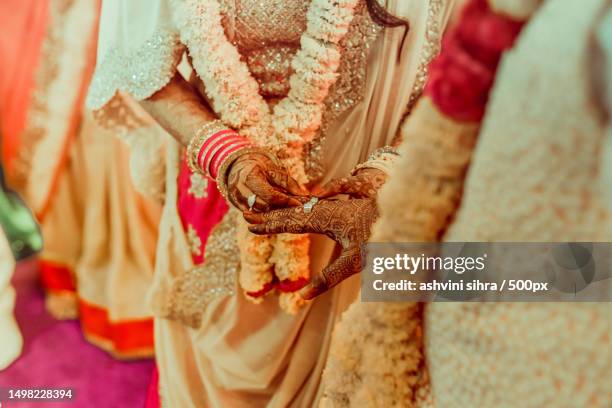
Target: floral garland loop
point(294, 121)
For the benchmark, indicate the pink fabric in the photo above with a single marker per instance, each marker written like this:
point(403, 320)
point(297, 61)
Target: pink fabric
point(153, 391)
point(202, 214)
point(461, 77)
point(23, 25)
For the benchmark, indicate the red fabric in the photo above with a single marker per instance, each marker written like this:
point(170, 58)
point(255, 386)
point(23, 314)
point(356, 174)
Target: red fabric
point(263, 291)
point(223, 154)
point(56, 277)
point(153, 391)
point(289, 285)
point(23, 24)
point(201, 213)
point(127, 337)
point(461, 77)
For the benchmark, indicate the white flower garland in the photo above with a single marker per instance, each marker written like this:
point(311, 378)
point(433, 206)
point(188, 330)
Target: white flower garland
point(294, 121)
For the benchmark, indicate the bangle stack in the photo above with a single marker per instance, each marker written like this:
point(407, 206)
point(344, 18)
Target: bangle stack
point(214, 148)
point(211, 146)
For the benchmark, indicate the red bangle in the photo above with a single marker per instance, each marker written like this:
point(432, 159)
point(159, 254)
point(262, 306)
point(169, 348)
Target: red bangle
point(208, 151)
point(223, 154)
point(212, 148)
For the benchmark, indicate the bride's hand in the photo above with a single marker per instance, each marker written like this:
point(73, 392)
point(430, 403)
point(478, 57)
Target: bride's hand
point(365, 183)
point(257, 174)
point(348, 222)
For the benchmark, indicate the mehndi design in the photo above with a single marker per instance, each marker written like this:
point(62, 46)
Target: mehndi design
point(348, 222)
point(363, 184)
point(258, 174)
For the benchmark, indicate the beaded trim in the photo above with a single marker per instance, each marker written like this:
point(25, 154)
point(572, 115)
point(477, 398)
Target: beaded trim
point(381, 159)
point(349, 89)
point(430, 50)
point(194, 290)
point(140, 73)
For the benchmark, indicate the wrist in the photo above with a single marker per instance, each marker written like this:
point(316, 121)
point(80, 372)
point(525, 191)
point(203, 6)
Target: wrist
point(381, 159)
point(212, 144)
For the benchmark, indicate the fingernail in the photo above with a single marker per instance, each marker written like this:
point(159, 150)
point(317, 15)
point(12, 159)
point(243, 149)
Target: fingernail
point(252, 218)
point(294, 202)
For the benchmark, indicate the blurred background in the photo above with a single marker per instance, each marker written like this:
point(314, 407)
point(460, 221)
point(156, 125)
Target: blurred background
point(63, 184)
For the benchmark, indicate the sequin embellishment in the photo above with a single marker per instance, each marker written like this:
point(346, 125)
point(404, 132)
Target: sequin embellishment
point(349, 89)
point(193, 290)
point(430, 50)
point(198, 186)
point(195, 243)
point(140, 73)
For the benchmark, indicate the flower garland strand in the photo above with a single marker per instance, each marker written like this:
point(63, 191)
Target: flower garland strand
point(235, 97)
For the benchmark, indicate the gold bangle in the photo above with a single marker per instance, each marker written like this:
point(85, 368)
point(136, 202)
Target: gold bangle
point(196, 143)
point(231, 158)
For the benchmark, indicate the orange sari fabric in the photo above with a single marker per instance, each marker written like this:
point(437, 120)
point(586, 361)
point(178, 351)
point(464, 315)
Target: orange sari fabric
point(24, 23)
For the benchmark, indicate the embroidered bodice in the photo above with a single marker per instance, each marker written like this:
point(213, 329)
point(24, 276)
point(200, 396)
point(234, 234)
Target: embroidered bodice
point(267, 34)
point(255, 24)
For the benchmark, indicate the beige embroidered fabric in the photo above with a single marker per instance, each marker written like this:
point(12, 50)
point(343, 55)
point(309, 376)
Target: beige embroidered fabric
point(376, 356)
point(102, 228)
point(51, 119)
point(244, 354)
point(535, 176)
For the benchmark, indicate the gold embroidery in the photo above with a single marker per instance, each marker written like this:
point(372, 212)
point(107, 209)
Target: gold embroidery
point(198, 186)
point(193, 290)
point(38, 112)
point(195, 243)
point(140, 72)
point(268, 33)
point(271, 67)
point(349, 89)
point(118, 118)
point(430, 50)
point(253, 24)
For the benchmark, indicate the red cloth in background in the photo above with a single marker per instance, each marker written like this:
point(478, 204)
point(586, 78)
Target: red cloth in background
point(461, 77)
point(23, 24)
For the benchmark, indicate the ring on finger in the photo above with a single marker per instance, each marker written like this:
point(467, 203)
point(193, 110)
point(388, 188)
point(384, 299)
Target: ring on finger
point(251, 201)
point(308, 206)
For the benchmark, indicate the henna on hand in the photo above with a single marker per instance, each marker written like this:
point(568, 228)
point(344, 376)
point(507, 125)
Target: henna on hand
point(348, 222)
point(363, 184)
point(257, 174)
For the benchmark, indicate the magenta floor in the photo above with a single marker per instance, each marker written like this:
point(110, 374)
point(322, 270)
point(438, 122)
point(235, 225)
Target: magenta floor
point(55, 354)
